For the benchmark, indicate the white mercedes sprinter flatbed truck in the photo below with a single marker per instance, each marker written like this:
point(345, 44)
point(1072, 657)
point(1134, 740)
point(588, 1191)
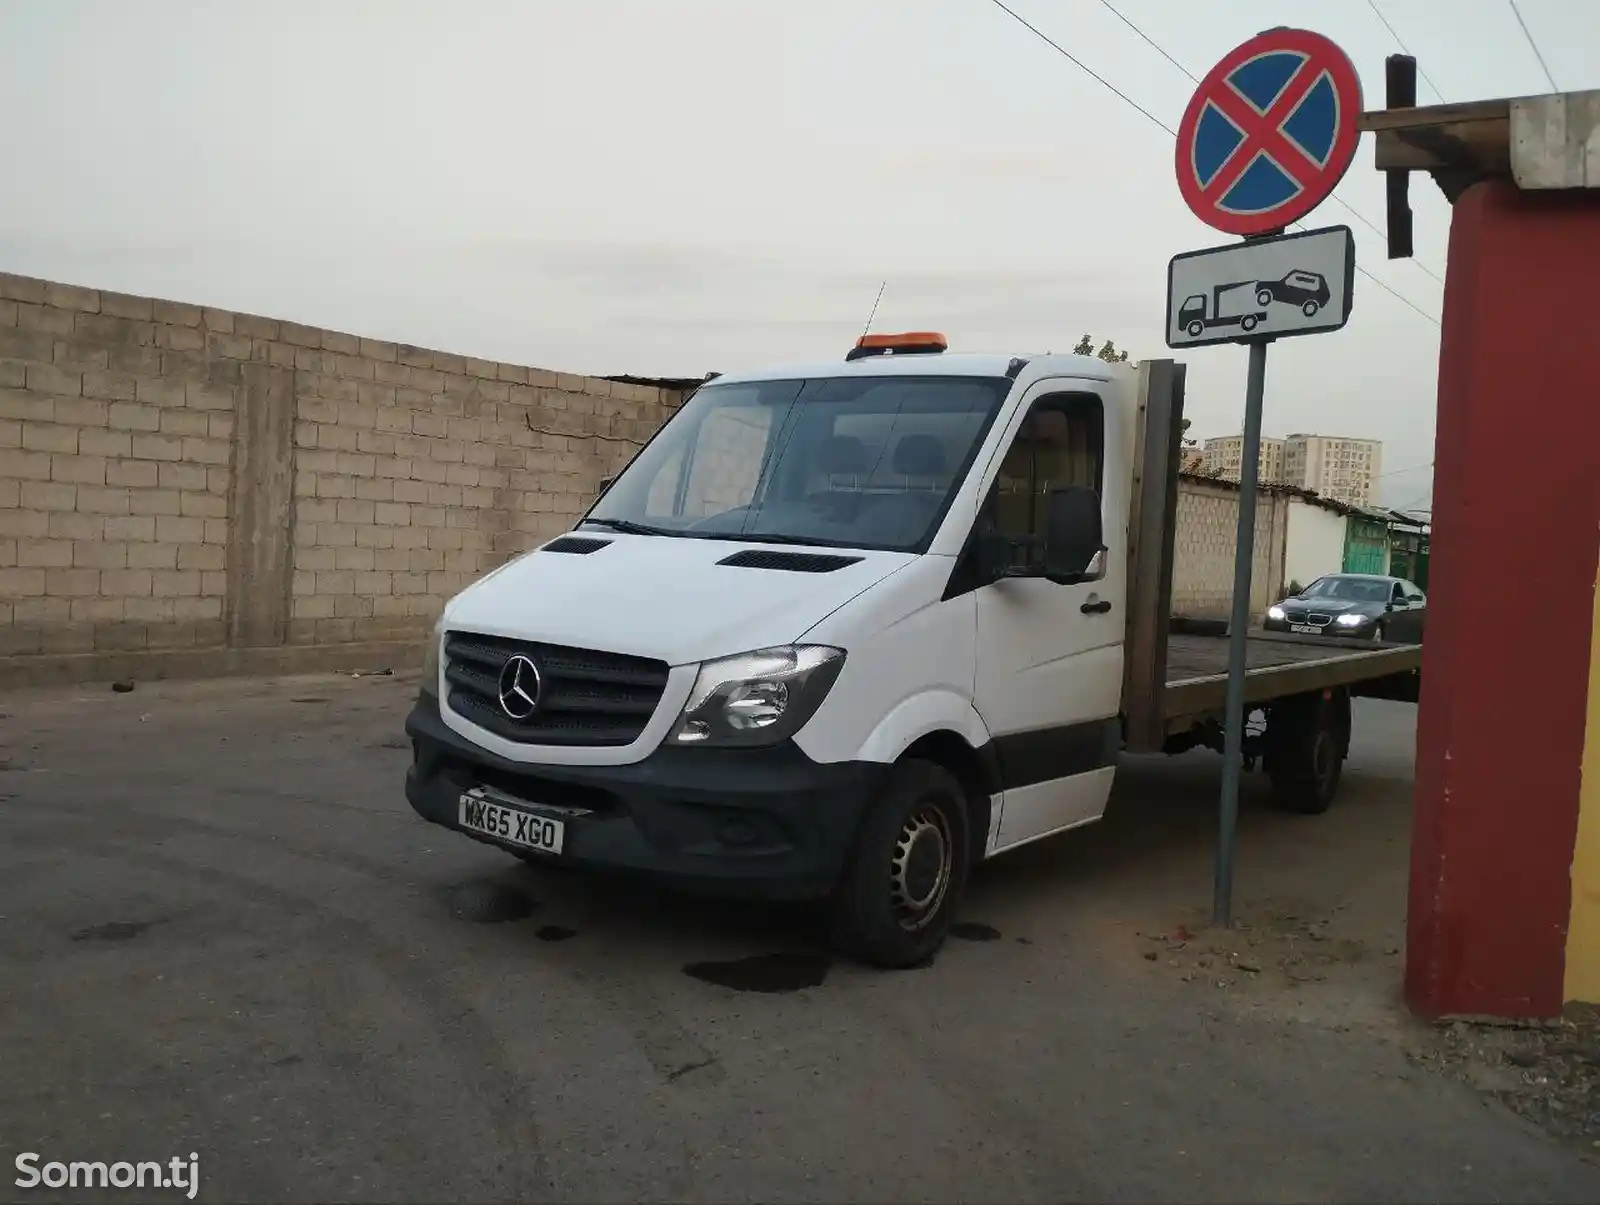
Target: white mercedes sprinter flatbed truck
point(841, 630)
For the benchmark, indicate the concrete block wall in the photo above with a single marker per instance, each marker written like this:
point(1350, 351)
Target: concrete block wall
point(1207, 525)
point(175, 478)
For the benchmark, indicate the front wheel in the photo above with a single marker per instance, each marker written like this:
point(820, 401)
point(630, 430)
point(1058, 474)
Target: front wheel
point(1309, 309)
point(1248, 322)
point(1195, 327)
point(1264, 297)
point(908, 869)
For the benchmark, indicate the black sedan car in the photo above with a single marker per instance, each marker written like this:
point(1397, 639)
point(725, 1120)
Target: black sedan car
point(1365, 606)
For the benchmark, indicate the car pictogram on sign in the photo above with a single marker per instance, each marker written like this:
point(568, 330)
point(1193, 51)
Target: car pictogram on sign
point(1308, 290)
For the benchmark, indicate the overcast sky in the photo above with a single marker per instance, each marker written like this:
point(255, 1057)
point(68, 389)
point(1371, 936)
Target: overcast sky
point(667, 187)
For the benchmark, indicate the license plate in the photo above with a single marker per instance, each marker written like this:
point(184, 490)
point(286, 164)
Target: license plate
point(1304, 628)
point(513, 826)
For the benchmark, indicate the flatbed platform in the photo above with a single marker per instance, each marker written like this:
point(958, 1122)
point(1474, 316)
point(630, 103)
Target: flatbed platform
point(1276, 665)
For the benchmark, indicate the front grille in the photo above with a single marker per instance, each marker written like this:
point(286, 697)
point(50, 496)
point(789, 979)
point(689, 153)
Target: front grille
point(585, 697)
point(1320, 619)
point(1294, 616)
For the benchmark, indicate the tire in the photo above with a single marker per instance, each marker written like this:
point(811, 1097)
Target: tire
point(1263, 296)
point(1195, 328)
point(1306, 742)
point(1248, 322)
point(907, 871)
point(1309, 309)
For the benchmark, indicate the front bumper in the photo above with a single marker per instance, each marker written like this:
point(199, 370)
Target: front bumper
point(1362, 630)
point(758, 823)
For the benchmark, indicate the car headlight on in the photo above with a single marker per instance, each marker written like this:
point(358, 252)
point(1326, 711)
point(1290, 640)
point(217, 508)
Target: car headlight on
point(1351, 621)
point(757, 698)
point(1274, 612)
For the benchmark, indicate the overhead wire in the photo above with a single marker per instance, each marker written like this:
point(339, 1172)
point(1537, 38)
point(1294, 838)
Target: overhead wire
point(1334, 197)
point(1537, 53)
point(1109, 86)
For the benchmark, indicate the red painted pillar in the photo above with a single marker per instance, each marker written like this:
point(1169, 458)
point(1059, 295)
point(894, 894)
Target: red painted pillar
point(1510, 606)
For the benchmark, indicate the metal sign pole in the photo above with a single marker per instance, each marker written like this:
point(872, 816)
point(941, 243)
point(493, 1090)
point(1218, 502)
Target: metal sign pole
point(1238, 637)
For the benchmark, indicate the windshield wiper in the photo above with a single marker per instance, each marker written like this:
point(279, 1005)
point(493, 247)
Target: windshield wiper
point(762, 537)
point(629, 527)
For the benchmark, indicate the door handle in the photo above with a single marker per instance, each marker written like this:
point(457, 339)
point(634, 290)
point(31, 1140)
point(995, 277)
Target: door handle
point(1095, 608)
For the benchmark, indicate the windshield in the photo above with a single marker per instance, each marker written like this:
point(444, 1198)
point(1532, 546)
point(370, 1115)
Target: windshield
point(1354, 589)
point(857, 462)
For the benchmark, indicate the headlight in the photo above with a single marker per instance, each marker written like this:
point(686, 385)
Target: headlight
point(430, 659)
point(757, 698)
point(1351, 621)
point(1274, 612)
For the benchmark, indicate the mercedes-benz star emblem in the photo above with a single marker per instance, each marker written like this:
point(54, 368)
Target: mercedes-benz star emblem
point(519, 687)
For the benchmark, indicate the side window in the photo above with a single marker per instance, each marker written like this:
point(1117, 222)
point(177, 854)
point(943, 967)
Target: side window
point(1061, 443)
point(1399, 592)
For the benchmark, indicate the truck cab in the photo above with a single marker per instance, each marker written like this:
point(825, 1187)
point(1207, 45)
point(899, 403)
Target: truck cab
point(839, 630)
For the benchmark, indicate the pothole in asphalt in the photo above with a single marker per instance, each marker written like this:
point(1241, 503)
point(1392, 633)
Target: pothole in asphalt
point(490, 903)
point(764, 972)
point(971, 930)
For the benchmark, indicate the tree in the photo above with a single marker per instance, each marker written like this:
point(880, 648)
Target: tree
point(1108, 350)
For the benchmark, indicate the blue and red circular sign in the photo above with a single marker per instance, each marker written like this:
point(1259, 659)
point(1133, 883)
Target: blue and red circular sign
point(1269, 132)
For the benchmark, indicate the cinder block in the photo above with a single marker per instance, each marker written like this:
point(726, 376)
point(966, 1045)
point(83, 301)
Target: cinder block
point(157, 447)
point(175, 584)
point(177, 313)
point(134, 473)
point(357, 558)
point(214, 584)
point(183, 421)
point(105, 501)
point(127, 416)
point(356, 464)
point(99, 554)
point(179, 338)
point(432, 471)
point(147, 610)
point(312, 559)
point(425, 560)
point(208, 557)
point(300, 336)
point(353, 366)
point(336, 535)
point(179, 529)
point(72, 583)
point(120, 527)
point(354, 510)
point(375, 537)
point(374, 489)
point(461, 474)
point(78, 355)
point(207, 607)
point(332, 438)
point(357, 414)
point(48, 495)
point(96, 442)
point(206, 451)
point(22, 583)
point(336, 581)
point(21, 465)
point(205, 396)
point(203, 505)
point(218, 480)
point(335, 485)
point(45, 320)
point(391, 560)
point(44, 554)
point(444, 495)
point(82, 470)
point(370, 393)
point(397, 375)
point(58, 382)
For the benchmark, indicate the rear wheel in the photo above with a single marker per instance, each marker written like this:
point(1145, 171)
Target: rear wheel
point(908, 870)
point(1263, 296)
point(1309, 309)
point(1307, 739)
point(1248, 322)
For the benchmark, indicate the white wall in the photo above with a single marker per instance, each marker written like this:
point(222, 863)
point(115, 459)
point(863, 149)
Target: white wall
point(1315, 543)
point(1202, 572)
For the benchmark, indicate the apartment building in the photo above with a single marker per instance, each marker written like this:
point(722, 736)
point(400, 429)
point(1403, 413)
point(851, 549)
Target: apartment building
point(1224, 457)
point(1345, 470)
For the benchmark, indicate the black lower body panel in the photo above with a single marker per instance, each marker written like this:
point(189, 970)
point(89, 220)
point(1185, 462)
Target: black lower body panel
point(756, 823)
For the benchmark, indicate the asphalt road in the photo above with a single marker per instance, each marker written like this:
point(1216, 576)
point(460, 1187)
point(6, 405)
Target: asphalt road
point(222, 931)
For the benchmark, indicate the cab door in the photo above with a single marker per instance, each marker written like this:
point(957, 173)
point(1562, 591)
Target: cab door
point(1049, 657)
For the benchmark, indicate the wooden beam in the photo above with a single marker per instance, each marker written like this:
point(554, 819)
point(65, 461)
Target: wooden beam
point(1434, 115)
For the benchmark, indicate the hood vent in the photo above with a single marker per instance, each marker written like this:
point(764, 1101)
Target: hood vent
point(791, 562)
point(581, 545)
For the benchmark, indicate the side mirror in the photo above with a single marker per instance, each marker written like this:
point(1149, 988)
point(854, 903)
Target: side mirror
point(1073, 541)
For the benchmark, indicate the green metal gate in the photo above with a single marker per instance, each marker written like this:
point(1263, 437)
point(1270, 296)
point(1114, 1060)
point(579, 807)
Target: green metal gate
point(1366, 546)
